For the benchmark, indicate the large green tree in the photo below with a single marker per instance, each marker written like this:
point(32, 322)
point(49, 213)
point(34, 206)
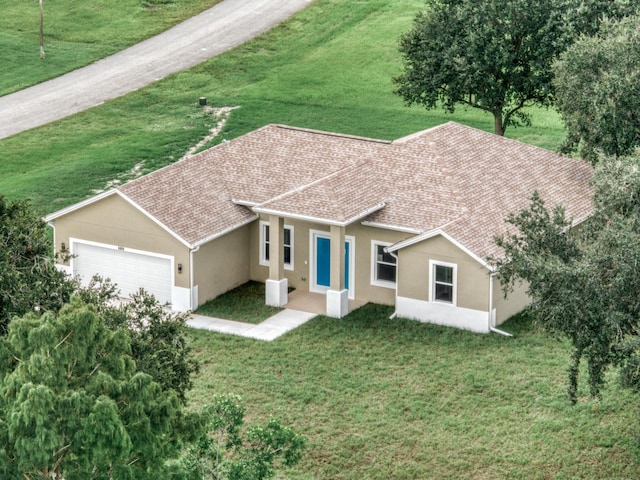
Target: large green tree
point(584, 282)
point(158, 336)
point(230, 451)
point(29, 279)
point(73, 406)
point(597, 82)
point(495, 55)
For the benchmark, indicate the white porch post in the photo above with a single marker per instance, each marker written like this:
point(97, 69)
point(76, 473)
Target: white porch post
point(337, 295)
point(276, 286)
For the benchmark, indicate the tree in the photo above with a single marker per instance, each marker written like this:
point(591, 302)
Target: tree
point(28, 277)
point(158, 337)
point(495, 55)
point(73, 405)
point(584, 282)
point(227, 451)
point(584, 17)
point(598, 90)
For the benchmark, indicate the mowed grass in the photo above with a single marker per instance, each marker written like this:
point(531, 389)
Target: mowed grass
point(377, 398)
point(396, 399)
point(329, 67)
point(242, 304)
point(78, 32)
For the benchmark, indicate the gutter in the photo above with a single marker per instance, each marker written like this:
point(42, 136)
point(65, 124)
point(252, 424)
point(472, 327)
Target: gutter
point(192, 279)
point(492, 327)
point(395, 312)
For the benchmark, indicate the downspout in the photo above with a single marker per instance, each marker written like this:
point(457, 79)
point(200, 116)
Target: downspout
point(492, 327)
point(395, 312)
point(192, 277)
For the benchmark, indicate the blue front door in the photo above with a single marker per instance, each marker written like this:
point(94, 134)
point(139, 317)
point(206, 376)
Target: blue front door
point(323, 262)
point(346, 265)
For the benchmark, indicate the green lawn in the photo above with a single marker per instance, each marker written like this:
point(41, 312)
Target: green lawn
point(78, 32)
point(242, 304)
point(329, 67)
point(395, 399)
point(378, 398)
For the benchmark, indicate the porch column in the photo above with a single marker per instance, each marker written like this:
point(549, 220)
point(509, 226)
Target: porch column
point(337, 295)
point(276, 286)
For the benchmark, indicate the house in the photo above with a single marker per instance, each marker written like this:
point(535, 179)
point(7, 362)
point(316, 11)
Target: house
point(408, 222)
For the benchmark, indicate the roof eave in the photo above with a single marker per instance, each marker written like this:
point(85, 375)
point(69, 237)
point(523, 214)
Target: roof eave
point(79, 205)
point(395, 228)
point(322, 221)
point(108, 193)
point(433, 233)
point(230, 229)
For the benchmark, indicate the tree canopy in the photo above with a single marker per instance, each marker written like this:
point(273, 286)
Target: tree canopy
point(584, 282)
point(229, 450)
point(28, 277)
point(597, 82)
point(74, 406)
point(495, 55)
point(158, 337)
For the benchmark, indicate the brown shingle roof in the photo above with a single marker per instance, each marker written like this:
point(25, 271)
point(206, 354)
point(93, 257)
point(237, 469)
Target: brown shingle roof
point(452, 178)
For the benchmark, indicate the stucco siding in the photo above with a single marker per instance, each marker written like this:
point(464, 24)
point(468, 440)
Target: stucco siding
point(299, 276)
point(113, 221)
point(472, 278)
point(515, 302)
point(364, 236)
point(222, 264)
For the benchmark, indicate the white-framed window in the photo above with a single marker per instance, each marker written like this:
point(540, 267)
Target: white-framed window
point(265, 243)
point(443, 282)
point(383, 266)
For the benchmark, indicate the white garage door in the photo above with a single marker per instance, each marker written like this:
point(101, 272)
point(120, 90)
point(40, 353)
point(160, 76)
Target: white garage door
point(130, 271)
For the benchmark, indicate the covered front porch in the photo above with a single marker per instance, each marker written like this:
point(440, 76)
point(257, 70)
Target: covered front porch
point(314, 302)
point(328, 270)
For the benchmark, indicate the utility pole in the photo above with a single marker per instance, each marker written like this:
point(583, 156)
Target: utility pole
point(41, 32)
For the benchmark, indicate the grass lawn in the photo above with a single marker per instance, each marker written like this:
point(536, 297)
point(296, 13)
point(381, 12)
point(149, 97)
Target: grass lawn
point(396, 399)
point(243, 304)
point(78, 32)
point(329, 67)
point(378, 398)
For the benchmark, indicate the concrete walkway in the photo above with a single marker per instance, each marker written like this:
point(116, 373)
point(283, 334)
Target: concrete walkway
point(222, 27)
point(269, 330)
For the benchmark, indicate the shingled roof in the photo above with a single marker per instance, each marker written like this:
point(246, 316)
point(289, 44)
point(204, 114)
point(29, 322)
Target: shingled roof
point(449, 179)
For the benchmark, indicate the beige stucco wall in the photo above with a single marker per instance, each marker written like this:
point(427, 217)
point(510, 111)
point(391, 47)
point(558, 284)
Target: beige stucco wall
point(222, 264)
point(114, 221)
point(472, 278)
point(515, 302)
point(299, 277)
point(364, 235)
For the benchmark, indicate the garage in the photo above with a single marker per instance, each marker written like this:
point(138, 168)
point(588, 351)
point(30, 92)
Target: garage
point(130, 270)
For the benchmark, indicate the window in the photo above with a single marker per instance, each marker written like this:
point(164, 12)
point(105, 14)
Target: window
point(265, 245)
point(383, 266)
point(443, 280)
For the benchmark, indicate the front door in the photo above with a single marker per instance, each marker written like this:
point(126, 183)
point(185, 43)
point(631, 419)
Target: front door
point(321, 263)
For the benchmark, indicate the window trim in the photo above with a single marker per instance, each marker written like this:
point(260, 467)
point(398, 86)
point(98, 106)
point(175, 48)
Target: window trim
point(263, 259)
point(432, 281)
point(374, 266)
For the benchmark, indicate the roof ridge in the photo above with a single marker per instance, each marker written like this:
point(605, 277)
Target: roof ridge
point(330, 134)
point(318, 181)
point(413, 135)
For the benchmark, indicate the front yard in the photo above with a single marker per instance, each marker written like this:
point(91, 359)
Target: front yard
point(396, 399)
point(242, 304)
